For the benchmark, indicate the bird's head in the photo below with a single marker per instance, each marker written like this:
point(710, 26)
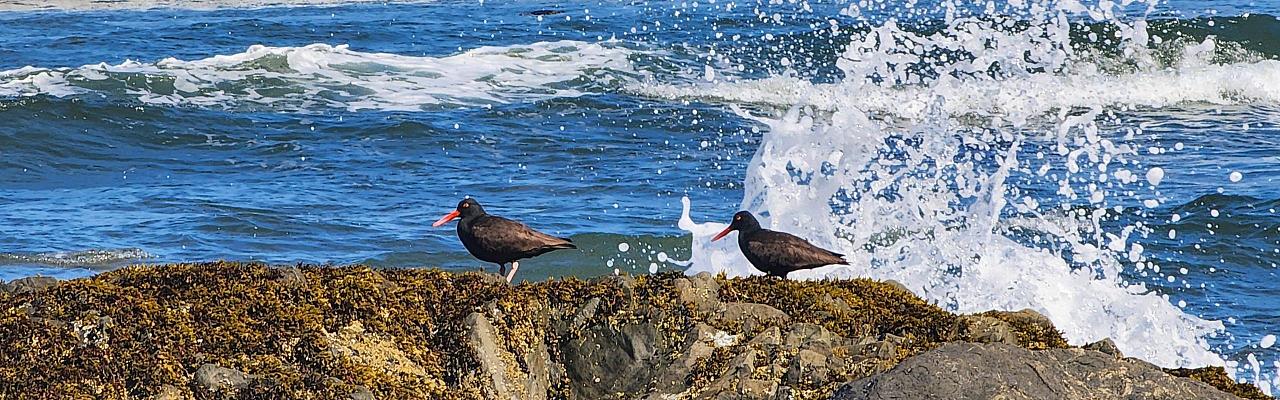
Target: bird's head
point(743, 221)
point(467, 208)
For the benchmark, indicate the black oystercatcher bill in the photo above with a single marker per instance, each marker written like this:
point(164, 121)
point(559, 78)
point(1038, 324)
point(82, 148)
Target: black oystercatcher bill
point(499, 240)
point(777, 253)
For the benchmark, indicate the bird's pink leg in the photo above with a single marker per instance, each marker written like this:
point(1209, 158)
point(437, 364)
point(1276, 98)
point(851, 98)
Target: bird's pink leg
point(514, 266)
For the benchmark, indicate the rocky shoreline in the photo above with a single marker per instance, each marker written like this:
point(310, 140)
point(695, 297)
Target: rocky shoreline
point(223, 330)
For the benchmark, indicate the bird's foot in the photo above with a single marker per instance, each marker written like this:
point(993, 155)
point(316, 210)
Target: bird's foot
point(511, 275)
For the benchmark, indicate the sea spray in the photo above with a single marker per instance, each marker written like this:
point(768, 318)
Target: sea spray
point(905, 166)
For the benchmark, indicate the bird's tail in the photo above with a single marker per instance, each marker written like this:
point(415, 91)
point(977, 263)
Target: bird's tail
point(568, 244)
point(841, 257)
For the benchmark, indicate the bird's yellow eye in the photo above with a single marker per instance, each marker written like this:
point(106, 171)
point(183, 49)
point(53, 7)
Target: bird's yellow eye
point(737, 218)
point(465, 205)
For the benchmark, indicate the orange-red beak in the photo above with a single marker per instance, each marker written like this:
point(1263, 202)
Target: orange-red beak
point(446, 218)
point(722, 233)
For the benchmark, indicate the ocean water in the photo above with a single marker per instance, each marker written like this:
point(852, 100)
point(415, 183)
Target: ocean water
point(1111, 165)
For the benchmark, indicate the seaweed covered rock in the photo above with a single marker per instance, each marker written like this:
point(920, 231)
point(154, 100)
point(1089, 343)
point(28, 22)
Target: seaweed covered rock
point(1217, 377)
point(219, 330)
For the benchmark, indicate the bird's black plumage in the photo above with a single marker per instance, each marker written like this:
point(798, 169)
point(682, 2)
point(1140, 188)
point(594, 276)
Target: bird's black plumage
point(499, 240)
point(777, 253)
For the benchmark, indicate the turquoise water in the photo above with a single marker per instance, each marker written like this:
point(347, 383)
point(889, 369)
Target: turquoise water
point(337, 134)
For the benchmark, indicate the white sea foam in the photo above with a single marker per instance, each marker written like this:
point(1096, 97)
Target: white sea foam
point(1021, 96)
point(85, 258)
point(320, 75)
point(925, 201)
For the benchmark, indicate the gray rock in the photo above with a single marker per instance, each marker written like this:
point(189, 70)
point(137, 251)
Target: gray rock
point(1029, 316)
point(94, 332)
point(1105, 346)
point(730, 383)
point(697, 346)
point(361, 393)
point(500, 377)
point(756, 389)
point(883, 349)
point(770, 337)
point(585, 313)
point(290, 276)
point(216, 378)
point(808, 366)
point(897, 284)
point(611, 362)
point(30, 284)
point(491, 309)
point(168, 392)
point(539, 363)
point(806, 335)
point(983, 329)
point(835, 303)
point(784, 393)
point(701, 290)
point(985, 371)
point(750, 315)
point(624, 282)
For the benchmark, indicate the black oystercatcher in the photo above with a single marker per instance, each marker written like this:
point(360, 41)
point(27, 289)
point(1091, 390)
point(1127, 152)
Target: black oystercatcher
point(499, 240)
point(777, 253)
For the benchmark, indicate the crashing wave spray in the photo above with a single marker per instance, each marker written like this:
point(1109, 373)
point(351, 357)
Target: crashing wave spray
point(921, 196)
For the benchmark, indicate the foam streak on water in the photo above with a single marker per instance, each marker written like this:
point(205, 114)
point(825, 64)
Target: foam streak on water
point(320, 75)
point(922, 197)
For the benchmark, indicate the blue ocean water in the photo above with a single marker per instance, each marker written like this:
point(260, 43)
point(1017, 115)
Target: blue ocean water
point(337, 134)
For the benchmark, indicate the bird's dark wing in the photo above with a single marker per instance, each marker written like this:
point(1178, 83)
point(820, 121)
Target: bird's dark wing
point(504, 236)
point(784, 249)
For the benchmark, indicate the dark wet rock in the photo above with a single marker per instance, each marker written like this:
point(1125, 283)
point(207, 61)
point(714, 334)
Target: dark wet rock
point(970, 370)
point(1105, 346)
point(220, 379)
point(608, 360)
point(29, 284)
